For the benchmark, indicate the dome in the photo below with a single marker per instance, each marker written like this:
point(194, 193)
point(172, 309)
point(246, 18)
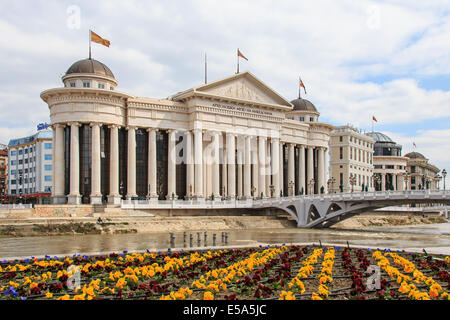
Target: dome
point(303, 105)
point(415, 155)
point(379, 137)
point(90, 66)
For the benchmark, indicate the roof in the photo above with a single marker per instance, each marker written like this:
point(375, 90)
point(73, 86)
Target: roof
point(303, 104)
point(44, 134)
point(379, 137)
point(415, 155)
point(90, 66)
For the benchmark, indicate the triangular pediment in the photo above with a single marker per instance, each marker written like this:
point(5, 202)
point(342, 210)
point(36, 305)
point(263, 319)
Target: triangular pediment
point(243, 86)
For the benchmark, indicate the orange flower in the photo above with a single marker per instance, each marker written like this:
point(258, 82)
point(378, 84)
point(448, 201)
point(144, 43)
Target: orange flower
point(208, 296)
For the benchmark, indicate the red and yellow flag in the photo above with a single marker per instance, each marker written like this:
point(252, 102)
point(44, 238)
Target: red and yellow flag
point(239, 53)
point(302, 85)
point(96, 38)
point(374, 119)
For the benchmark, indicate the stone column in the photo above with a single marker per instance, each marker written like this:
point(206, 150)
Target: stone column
point(188, 156)
point(198, 164)
point(240, 161)
point(96, 194)
point(255, 170)
point(401, 182)
point(224, 186)
point(152, 194)
point(310, 172)
point(114, 197)
point(215, 166)
point(231, 159)
point(53, 162)
point(131, 164)
point(383, 182)
point(268, 168)
point(58, 162)
point(325, 169)
point(302, 169)
point(74, 196)
point(291, 169)
point(247, 167)
point(262, 166)
point(171, 172)
point(320, 170)
point(276, 167)
point(281, 166)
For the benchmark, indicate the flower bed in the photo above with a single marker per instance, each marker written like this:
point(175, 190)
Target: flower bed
point(278, 272)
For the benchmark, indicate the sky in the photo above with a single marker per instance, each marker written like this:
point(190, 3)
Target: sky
point(357, 59)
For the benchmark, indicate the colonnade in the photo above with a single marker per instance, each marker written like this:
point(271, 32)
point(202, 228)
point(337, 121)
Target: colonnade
point(252, 166)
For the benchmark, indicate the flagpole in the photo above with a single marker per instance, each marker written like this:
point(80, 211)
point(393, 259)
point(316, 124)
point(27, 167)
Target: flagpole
point(206, 70)
point(237, 61)
point(299, 88)
point(89, 44)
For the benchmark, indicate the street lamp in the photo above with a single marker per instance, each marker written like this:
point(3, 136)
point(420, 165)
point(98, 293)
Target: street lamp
point(121, 189)
point(291, 187)
point(376, 180)
point(352, 180)
point(272, 189)
point(444, 173)
point(311, 186)
point(331, 181)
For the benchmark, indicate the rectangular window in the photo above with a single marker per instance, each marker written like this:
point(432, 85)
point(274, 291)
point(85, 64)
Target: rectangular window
point(13, 172)
point(340, 153)
point(48, 189)
point(13, 152)
point(86, 84)
point(72, 84)
point(47, 145)
point(302, 119)
point(101, 86)
point(47, 157)
point(340, 138)
point(48, 178)
point(20, 161)
point(26, 151)
point(311, 119)
point(48, 167)
point(20, 152)
point(13, 181)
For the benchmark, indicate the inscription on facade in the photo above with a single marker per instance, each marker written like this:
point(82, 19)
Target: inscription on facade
point(243, 109)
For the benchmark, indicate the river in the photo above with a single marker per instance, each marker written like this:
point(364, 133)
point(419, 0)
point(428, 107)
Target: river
point(433, 238)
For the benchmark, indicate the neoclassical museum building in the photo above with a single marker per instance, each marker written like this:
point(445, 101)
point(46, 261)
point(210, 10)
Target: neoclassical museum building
point(234, 138)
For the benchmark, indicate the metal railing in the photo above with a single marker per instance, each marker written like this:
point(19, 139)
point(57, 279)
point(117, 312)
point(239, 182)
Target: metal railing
point(16, 206)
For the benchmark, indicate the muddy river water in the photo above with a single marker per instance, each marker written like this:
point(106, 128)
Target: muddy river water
point(433, 238)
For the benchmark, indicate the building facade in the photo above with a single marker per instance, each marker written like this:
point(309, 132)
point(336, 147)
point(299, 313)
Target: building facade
point(389, 165)
point(30, 168)
point(3, 173)
point(232, 138)
point(421, 174)
point(351, 160)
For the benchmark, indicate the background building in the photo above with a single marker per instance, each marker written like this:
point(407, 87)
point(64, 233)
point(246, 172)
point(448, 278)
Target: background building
point(351, 160)
point(389, 165)
point(232, 138)
point(3, 173)
point(420, 173)
point(30, 168)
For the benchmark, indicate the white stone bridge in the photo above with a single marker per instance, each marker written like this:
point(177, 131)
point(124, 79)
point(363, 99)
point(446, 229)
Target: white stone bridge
point(315, 211)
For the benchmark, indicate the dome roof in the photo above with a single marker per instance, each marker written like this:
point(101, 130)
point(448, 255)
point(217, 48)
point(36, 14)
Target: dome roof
point(379, 137)
point(303, 105)
point(90, 66)
point(415, 155)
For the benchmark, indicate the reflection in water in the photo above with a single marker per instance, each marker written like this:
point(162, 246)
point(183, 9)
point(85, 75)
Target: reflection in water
point(90, 244)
